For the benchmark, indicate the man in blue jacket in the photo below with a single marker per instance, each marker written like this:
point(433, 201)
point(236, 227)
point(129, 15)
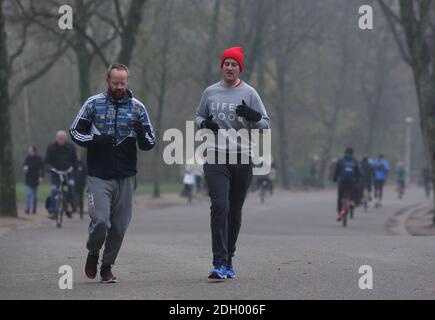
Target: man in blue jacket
point(109, 125)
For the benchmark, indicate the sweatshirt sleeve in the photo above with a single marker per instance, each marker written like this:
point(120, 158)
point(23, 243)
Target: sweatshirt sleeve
point(148, 140)
point(80, 130)
point(258, 106)
point(202, 110)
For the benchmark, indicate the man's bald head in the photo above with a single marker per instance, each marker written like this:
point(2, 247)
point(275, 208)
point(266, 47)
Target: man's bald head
point(61, 137)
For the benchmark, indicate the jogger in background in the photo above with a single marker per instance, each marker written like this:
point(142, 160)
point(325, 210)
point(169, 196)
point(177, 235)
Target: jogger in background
point(229, 104)
point(109, 125)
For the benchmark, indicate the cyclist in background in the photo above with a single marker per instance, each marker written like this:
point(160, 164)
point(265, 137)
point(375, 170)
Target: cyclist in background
point(400, 178)
point(61, 155)
point(380, 167)
point(347, 175)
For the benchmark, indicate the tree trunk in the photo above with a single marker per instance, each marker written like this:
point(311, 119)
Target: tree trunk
point(211, 45)
point(8, 206)
point(426, 96)
point(157, 158)
point(259, 22)
point(422, 63)
point(282, 124)
point(128, 36)
point(237, 23)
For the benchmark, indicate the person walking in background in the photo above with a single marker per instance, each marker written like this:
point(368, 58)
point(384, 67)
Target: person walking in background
point(366, 177)
point(400, 179)
point(33, 168)
point(229, 104)
point(110, 125)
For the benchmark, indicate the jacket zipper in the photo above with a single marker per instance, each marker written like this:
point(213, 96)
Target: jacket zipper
point(116, 130)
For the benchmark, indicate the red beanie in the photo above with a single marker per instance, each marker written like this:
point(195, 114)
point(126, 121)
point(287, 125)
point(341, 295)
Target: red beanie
point(235, 53)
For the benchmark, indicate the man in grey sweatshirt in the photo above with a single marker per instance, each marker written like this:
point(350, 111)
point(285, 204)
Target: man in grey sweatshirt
point(229, 104)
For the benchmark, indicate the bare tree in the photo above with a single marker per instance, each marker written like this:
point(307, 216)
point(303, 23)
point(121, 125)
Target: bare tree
point(374, 81)
point(161, 95)
point(416, 42)
point(7, 180)
point(284, 44)
point(211, 44)
point(82, 39)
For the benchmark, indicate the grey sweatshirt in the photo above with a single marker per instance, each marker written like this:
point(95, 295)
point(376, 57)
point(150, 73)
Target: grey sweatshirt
point(221, 102)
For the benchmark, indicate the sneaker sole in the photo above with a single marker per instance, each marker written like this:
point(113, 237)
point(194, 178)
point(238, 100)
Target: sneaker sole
point(215, 276)
point(109, 281)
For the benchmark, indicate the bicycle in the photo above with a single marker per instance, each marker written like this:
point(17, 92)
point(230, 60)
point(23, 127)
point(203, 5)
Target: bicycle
point(61, 197)
point(346, 208)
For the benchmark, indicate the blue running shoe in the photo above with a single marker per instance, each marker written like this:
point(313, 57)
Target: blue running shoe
point(218, 272)
point(231, 273)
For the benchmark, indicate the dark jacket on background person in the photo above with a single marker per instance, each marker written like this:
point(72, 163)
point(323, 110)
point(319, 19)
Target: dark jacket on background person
point(61, 157)
point(340, 170)
point(367, 173)
point(102, 114)
point(35, 170)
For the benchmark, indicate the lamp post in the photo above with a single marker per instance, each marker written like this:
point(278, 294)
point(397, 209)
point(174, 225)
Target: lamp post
point(408, 122)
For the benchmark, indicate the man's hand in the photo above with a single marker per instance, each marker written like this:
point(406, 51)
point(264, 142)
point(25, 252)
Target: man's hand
point(104, 140)
point(40, 179)
point(242, 110)
point(209, 124)
point(137, 126)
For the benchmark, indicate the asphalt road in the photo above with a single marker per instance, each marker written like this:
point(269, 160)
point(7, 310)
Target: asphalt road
point(291, 247)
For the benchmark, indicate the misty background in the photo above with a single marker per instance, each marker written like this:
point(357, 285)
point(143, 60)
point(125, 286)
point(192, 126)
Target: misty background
point(326, 83)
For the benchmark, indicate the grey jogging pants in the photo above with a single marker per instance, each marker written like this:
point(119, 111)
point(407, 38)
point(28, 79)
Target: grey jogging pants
point(110, 209)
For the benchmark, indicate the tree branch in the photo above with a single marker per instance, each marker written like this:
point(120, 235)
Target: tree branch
point(20, 48)
point(38, 74)
point(119, 14)
point(97, 49)
point(392, 19)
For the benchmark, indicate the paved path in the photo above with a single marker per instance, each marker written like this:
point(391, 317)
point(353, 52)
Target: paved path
point(289, 248)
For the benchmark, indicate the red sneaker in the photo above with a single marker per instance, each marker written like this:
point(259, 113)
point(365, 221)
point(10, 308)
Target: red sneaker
point(91, 266)
point(106, 274)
